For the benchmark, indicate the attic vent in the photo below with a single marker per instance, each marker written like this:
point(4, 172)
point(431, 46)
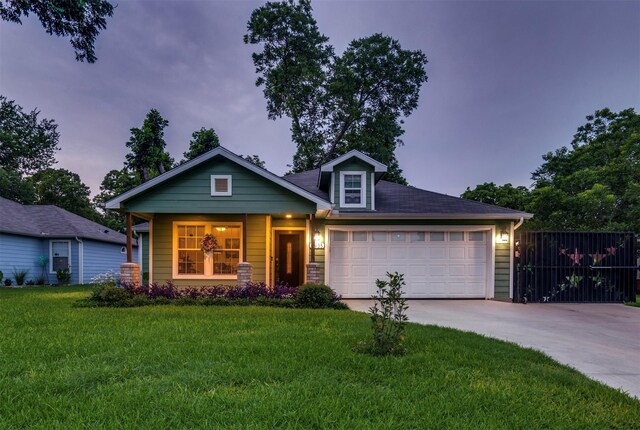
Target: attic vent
point(221, 185)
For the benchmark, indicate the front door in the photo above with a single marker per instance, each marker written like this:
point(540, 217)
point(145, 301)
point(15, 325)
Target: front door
point(289, 258)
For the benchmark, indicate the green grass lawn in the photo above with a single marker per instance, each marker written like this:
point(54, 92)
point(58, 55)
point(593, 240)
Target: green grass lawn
point(249, 367)
point(636, 303)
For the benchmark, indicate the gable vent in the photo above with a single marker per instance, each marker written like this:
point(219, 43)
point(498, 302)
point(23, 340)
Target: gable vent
point(220, 185)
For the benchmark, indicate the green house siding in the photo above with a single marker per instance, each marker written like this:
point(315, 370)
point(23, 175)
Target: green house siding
point(502, 250)
point(356, 165)
point(163, 246)
point(190, 192)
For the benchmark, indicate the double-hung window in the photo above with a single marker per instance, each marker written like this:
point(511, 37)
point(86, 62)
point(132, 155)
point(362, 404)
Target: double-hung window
point(59, 255)
point(353, 185)
point(191, 262)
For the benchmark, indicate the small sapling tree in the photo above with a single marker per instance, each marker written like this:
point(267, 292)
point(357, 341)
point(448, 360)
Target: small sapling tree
point(388, 318)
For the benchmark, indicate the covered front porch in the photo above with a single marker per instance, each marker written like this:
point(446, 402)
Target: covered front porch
point(269, 248)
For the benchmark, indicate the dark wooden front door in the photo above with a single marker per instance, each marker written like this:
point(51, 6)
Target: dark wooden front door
point(289, 258)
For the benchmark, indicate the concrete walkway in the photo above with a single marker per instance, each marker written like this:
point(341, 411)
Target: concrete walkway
point(600, 340)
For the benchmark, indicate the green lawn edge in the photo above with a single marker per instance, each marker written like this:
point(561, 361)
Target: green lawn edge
point(257, 367)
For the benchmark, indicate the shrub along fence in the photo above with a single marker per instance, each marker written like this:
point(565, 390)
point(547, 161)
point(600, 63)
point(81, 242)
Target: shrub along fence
point(575, 267)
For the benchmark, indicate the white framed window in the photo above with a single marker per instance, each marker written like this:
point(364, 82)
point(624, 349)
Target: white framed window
point(456, 236)
point(339, 236)
point(476, 236)
point(353, 189)
point(221, 185)
point(190, 262)
point(359, 236)
point(59, 255)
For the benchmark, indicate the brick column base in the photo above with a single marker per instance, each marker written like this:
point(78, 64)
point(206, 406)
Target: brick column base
point(130, 273)
point(245, 273)
point(313, 273)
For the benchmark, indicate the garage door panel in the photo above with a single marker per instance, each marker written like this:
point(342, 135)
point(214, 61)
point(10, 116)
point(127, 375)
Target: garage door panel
point(437, 253)
point(476, 253)
point(360, 253)
point(456, 253)
point(435, 264)
point(457, 270)
point(378, 253)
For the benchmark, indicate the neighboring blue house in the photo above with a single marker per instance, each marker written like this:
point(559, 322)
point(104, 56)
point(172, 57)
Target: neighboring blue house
point(29, 232)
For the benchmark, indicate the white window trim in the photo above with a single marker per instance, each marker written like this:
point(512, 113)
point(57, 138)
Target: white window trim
point(207, 229)
point(363, 189)
point(229, 183)
point(51, 271)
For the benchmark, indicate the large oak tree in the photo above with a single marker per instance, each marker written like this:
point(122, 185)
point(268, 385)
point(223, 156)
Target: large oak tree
point(336, 103)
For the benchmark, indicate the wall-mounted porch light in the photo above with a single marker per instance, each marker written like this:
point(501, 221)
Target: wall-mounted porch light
point(503, 237)
point(318, 242)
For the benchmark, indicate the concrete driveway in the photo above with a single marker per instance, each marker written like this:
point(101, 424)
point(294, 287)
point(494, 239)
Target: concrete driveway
point(600, 340)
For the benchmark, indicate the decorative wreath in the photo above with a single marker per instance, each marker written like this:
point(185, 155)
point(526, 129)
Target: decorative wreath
point(208, 243)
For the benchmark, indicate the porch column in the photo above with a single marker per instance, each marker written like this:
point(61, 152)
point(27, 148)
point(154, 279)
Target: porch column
point(312, 233)
point(244, 238)
point(129, 238)
point(129, 271)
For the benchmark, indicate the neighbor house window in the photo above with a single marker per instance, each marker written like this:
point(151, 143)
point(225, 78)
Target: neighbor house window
point(353, 189)
point(221, 185)
point(190, 261)
point(59, 255)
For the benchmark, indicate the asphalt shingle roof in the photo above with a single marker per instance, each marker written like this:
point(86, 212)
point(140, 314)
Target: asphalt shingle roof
point(392, 198)
point(52, 221)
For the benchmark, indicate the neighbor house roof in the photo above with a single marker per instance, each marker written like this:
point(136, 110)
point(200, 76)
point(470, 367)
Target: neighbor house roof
point(52, 221)
point(395, 200)
point(223, 152)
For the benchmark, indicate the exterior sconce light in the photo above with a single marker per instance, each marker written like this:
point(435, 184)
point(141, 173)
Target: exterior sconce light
point(504, 236)
point(288, 216)
point(318, 243)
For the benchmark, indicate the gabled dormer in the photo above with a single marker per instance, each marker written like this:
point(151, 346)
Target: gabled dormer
point(350, 181)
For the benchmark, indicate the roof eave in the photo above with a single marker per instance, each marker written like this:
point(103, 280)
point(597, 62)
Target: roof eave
point(115, 203)
point(378, 167)
point(378, 215)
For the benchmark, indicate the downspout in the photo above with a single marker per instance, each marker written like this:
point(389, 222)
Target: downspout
point(515, 227)
point(80, 261)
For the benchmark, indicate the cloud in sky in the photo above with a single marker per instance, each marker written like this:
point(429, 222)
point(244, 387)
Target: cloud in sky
point(508, 81)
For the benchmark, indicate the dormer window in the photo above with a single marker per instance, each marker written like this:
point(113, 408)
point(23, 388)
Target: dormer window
point(353, 186)
point(221, 185)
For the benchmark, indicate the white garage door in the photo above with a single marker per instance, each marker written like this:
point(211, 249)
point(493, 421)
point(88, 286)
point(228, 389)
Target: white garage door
point(436, 264)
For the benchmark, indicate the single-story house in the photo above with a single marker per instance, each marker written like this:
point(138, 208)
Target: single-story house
point(341, 224)
point(31, 234)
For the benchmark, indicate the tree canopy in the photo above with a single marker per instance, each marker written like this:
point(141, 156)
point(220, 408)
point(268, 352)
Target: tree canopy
point(336, 103)
point(63, 188)
point(27, 144)
point(148, 157)
point(202, 141)
point(594, 184)
point(15, 187)
point(81, 20)
point(505, 195)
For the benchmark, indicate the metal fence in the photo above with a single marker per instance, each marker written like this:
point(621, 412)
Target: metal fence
point(575, 267)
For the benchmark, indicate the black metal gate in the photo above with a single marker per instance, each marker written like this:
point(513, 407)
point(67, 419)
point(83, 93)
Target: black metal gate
point(575, 267)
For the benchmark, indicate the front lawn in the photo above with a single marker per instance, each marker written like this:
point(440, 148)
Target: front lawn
point(254, 367)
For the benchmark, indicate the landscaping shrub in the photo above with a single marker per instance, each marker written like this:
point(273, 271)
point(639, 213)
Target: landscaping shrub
point(252, 293)
point(63, 276)
point(8, 282)
point(388, 318)
point(1, 275)
point(314, 296)
point(110, 278)
point(20, 275)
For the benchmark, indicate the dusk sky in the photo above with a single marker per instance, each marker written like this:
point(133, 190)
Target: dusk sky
point(508, 80)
